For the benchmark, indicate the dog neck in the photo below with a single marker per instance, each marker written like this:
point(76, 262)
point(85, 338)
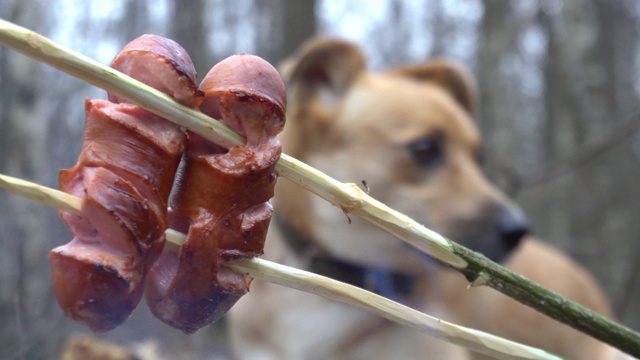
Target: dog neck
point(381, 281)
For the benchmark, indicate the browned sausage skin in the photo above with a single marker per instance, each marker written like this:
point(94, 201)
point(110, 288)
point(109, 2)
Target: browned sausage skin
point(124, 175)
point(221, 197)
point(162, 64)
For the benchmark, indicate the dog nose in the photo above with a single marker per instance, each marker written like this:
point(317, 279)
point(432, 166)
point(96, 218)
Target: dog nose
point(512, 226)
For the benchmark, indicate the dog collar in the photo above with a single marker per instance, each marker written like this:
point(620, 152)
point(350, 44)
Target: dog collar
point(381, 281)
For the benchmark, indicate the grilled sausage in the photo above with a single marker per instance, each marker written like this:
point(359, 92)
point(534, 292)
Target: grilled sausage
point(124, 175)
point(221, 197)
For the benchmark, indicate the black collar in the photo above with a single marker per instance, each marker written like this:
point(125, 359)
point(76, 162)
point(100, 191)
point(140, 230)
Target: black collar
point(392, 285)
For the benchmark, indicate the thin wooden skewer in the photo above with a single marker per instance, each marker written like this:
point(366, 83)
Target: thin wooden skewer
point(319, 285)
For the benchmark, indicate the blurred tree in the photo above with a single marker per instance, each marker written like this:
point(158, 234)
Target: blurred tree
point(496, 94)
point(570, 182)
point(299, 24)
point(590, 126)
point(26, 306)
point(189, 29)
point(268, 21)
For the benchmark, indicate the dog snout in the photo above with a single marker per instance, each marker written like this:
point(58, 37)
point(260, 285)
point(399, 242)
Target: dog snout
point(495, 229)
point(512, 227)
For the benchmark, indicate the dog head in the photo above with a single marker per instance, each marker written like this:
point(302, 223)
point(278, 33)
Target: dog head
point(409, 134)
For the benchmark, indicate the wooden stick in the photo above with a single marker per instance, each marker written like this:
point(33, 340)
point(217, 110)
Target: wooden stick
point(319, 285)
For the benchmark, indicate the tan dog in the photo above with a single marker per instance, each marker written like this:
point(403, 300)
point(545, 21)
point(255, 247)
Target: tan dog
point(408, 133)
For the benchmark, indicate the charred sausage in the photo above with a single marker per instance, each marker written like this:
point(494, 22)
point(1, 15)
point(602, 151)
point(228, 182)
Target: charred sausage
point(221, 197)
point(124, 175)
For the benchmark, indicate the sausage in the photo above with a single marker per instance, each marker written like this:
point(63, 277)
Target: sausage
point(221, 197)
point(124, 175)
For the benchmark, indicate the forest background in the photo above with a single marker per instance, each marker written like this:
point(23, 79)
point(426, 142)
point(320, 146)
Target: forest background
point(558, 86)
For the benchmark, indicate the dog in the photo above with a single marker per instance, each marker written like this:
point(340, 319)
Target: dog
point(408, 133)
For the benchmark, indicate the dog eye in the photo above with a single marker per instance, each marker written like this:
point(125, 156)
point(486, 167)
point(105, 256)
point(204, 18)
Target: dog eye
point(426, 151)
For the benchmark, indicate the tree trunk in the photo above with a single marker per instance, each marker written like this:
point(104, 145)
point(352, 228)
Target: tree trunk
point(299, 25)
point(189, 29)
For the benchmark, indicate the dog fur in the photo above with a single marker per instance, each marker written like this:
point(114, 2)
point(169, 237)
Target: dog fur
point(408, 133)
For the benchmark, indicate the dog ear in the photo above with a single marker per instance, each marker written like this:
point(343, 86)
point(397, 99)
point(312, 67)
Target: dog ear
point(322, 70)
point(453, 77)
